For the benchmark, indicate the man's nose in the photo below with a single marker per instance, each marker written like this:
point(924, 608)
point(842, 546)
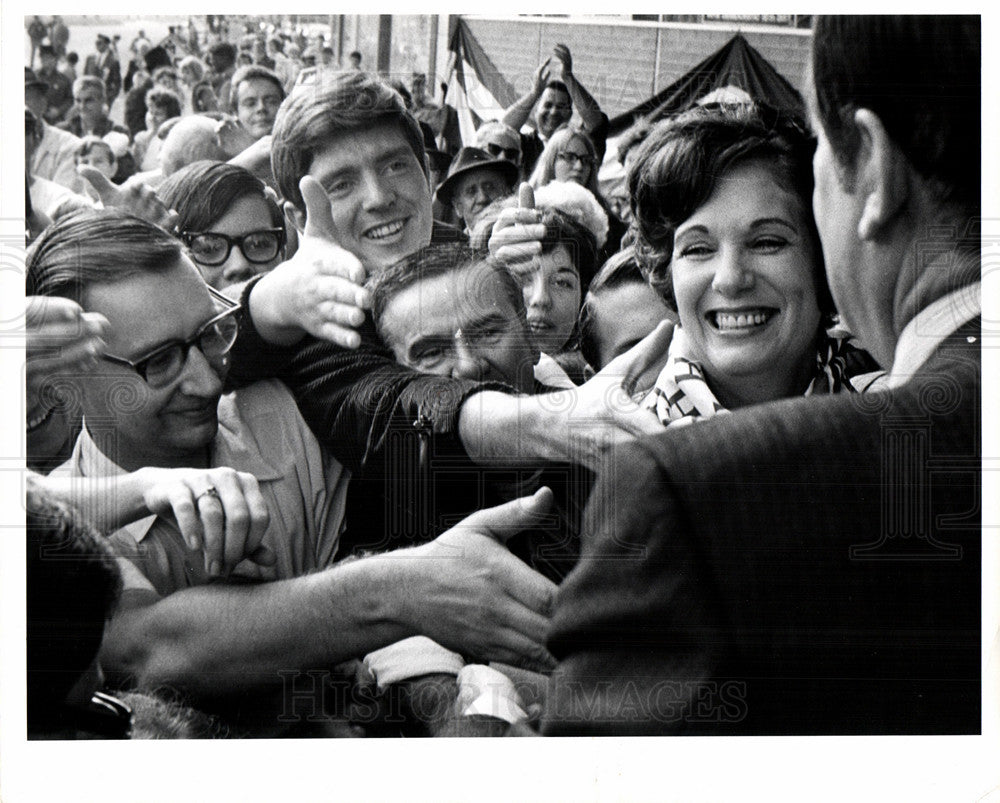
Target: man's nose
point(200, 377)
point(378, 193)
point(469, 364)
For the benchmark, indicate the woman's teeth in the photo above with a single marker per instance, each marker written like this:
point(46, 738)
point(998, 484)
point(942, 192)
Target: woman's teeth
point(740, 320)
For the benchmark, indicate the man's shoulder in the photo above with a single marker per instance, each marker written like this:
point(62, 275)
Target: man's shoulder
point(442, 233)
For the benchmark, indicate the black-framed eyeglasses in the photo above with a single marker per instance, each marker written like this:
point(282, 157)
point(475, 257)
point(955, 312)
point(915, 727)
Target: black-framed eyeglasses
point(213, 248)
point(572, 158)
point(496, 151)
point(166, 362)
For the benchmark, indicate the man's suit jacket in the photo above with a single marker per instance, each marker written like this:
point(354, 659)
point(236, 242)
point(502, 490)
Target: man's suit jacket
point(805, 567)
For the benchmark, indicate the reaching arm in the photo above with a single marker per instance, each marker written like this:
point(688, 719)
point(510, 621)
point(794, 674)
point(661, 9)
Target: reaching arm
point(464, 590)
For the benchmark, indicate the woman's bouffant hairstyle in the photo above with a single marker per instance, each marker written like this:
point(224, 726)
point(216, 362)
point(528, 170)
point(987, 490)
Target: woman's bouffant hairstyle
point(677, 166)
point(202, 192)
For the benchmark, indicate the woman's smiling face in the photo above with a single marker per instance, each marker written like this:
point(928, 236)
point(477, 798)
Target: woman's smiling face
point(744, 276)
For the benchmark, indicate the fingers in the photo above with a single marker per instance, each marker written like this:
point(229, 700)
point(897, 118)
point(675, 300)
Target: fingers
point(525, 196)
point(517, 649)
point(319, 217)
point(109, 194)
point(634, 362)
point(506, 520)
point(335, 333)
point(259, 519)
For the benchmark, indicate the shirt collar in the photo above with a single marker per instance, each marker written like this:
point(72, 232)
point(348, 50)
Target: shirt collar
point(925, 332)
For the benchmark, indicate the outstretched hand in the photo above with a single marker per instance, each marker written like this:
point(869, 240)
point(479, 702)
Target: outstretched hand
point(319, 290)
point(135, 198)
point(473, 596)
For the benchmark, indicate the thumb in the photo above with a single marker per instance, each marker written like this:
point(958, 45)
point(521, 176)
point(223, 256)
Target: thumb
point(109, 194)
point(504, 521)
point(525, 196)
point(319, 218)
point(634, 362)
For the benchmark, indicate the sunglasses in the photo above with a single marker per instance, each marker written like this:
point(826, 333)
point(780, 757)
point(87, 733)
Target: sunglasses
point(211, 248)
point(161, 366)
point(512, 154)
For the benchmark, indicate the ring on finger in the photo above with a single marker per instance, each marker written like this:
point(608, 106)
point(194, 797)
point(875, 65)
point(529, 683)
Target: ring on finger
point(211, 491)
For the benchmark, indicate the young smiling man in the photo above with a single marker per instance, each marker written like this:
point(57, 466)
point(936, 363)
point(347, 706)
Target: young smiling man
point(349, 160)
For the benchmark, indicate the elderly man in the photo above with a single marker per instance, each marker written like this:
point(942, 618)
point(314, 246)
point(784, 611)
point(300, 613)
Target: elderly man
point(475, 180)
point(500, 141)
point(553, 100)
point(156, 401)
point(255, 97)
point(812, 566)
point(362, 173)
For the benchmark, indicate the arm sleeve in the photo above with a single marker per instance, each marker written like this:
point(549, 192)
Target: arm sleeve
point(354, 399)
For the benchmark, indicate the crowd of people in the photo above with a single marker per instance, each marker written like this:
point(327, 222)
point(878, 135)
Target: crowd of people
point(341, 427)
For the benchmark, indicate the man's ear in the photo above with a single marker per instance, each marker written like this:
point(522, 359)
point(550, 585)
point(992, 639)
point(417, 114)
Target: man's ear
point(296, 217)
point(882, 175)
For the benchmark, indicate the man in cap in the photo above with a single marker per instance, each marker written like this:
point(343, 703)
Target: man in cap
point(475, 180)
point(59, 90)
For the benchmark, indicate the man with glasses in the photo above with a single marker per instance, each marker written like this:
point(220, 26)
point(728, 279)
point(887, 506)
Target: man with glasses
point(555, 99)
point(152, 397)
point(500, 141)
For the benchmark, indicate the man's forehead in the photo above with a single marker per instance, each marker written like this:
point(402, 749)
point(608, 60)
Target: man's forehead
point(479, 175)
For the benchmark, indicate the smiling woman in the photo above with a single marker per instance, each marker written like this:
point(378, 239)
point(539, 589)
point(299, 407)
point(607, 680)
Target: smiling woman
point(722, 201)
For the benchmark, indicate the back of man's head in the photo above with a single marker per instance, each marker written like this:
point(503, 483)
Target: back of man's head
point(223, 56)
point(88, 82)
point(922, 76)
point(313, 115)
point(96, 246)
point(192, 139)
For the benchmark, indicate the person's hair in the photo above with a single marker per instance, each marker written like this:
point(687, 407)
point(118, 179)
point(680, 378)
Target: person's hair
point(72, 57)
point(348, 102)
point(195, 65)
point(429, 263)
point(677, 166)
point(202, 192)
point(545, 168)
point(203, 97)
point(223, 56)
point(404, 93)
point(354, 54)
point(190, 140)
point(561, 229)
point(159, 716)
point(73, 583)
point(165, 70)
point(621, 269)
point(922, 76)
point(276, 43)
point(91, 143)
point(559, 86)
point(89, 82)
point(164, 99)
point(96, 246)
point(633, 136)
point(251, 72)
point(488, 127)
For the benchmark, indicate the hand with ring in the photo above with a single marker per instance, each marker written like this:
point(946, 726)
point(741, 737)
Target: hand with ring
point(219, 511)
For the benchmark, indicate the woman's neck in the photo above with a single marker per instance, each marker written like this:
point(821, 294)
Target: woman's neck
point(748, 389)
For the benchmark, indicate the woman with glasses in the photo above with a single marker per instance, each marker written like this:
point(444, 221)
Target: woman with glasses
point(722, 202)
point(231, 225)
point(569, 155)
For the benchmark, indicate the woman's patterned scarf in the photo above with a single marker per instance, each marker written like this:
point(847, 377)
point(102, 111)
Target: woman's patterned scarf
point(681, 395)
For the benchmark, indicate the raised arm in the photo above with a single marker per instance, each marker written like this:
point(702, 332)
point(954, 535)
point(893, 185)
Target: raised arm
point(588, 108)
point(517, 115)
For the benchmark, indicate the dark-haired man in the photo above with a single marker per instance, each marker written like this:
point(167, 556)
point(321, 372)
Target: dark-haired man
point(812, 566)
point(553, 99)
point(104, 65)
